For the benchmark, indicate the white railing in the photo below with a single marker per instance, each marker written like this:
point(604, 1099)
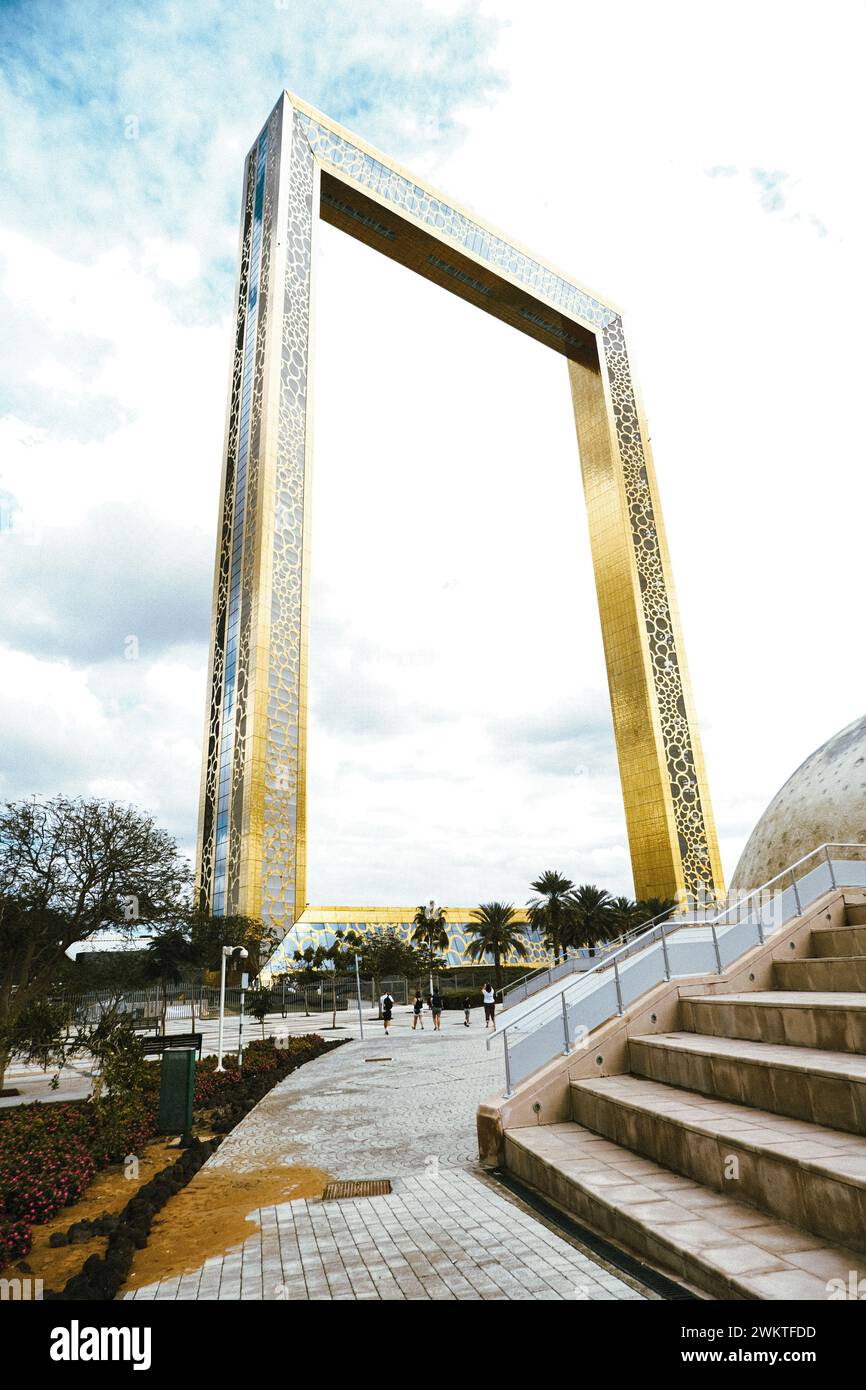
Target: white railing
point(667, 950)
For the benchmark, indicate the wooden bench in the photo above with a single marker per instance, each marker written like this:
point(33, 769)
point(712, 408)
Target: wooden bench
point(152, 1047)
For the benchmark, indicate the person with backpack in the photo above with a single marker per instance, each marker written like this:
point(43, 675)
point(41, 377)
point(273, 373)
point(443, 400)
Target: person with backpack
point(436, 1010)
point(418, 1011)
point(387, 1004)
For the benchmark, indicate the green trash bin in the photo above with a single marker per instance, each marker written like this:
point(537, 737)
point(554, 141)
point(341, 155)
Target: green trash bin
point(176, 1089)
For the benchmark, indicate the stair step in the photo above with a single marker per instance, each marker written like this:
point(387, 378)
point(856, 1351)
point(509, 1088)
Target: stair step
point(799, 1018)
point(839, 974)
point(839, 941)
point(712, 1241)
point(825, 1088)
point(790, 1168)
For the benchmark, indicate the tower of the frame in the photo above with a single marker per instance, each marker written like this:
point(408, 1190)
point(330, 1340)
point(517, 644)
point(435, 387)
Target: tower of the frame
point(252, 820)
point(251, 842)
point(671, 830)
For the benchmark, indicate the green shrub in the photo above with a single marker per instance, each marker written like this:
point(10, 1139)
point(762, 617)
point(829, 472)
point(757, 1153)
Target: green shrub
point(454, 998)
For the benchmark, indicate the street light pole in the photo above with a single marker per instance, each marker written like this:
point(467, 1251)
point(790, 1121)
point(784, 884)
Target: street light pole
point(219, 1065)
point(244, 983)
point(430, 914)
point(358, 986)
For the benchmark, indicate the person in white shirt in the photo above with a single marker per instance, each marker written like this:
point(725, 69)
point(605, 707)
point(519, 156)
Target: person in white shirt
point(489, 1005)
point(387, 1003)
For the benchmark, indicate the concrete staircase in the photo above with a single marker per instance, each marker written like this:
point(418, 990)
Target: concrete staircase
point(732, 1153)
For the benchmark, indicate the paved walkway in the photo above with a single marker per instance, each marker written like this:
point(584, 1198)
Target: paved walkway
point(401, 1107)
point(452, 1238)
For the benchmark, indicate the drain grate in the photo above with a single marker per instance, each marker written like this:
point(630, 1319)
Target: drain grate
point(361, 1187)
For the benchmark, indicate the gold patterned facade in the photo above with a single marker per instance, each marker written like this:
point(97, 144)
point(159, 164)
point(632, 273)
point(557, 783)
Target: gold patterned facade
point(318, 926)
point(252, 810)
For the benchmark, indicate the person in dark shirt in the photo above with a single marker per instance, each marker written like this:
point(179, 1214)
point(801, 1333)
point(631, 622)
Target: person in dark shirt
point(436, 1009)
point(467, 1005)
point(418, 1011)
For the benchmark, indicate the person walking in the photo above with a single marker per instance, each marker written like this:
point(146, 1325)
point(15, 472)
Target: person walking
point(387, 1003)
point(436, 1010)
point(467, 1005)
point(418, 1011)
point(489, 999)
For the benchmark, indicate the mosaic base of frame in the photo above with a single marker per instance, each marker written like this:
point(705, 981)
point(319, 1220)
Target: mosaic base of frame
point(318, 927)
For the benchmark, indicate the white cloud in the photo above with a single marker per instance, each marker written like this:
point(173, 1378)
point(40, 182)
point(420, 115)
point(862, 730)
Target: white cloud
point(179, 263)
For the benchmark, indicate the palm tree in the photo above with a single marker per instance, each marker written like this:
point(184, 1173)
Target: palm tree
point(624, 915)
point(648, 908)
point(431, 934)
point(592, 919)
point(498, 934)
point(550, 913)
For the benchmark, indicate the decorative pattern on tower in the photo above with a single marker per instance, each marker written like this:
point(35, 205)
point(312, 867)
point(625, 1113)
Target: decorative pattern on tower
point(283, 773)
point(667, 678)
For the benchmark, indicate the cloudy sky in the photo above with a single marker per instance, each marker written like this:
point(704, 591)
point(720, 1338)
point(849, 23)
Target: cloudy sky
point(701, 165)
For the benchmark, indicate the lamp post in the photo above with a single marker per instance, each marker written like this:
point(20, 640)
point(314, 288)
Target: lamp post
point(358, 987)
point(430, 918)
point(227, 951)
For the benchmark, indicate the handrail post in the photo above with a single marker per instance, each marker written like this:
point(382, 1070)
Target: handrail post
point(619, 1008)
point(508, 1088)
point(760, 919)
point(565, 1027)
point(665, 952)
point(830, 866)
point(796, 894)
point(716, 948)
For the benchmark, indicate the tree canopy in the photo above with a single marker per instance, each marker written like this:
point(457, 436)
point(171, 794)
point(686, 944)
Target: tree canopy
point(70, 867)
point(496, 933)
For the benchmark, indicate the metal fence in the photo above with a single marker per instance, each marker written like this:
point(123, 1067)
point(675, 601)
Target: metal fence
point(201, 1002)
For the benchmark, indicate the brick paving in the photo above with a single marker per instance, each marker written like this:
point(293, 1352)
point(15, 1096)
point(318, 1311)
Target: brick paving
point(452, 1237)
point(447, 1231)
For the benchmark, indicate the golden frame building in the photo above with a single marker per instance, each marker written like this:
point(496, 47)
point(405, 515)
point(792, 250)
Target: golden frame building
point(252, 846)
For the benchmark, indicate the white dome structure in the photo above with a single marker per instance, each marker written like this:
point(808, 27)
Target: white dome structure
point(823, 802)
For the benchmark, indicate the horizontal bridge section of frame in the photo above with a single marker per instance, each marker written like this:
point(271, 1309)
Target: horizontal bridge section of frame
point(390, 232)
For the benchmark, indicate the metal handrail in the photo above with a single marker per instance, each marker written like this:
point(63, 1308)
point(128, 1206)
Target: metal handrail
point(603, 964)
point(647, 931)
point(604, 948)
point(826, 847)
point(527, 975)
point(536, 973)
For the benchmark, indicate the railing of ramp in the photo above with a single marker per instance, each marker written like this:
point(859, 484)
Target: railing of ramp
point(666, 950)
